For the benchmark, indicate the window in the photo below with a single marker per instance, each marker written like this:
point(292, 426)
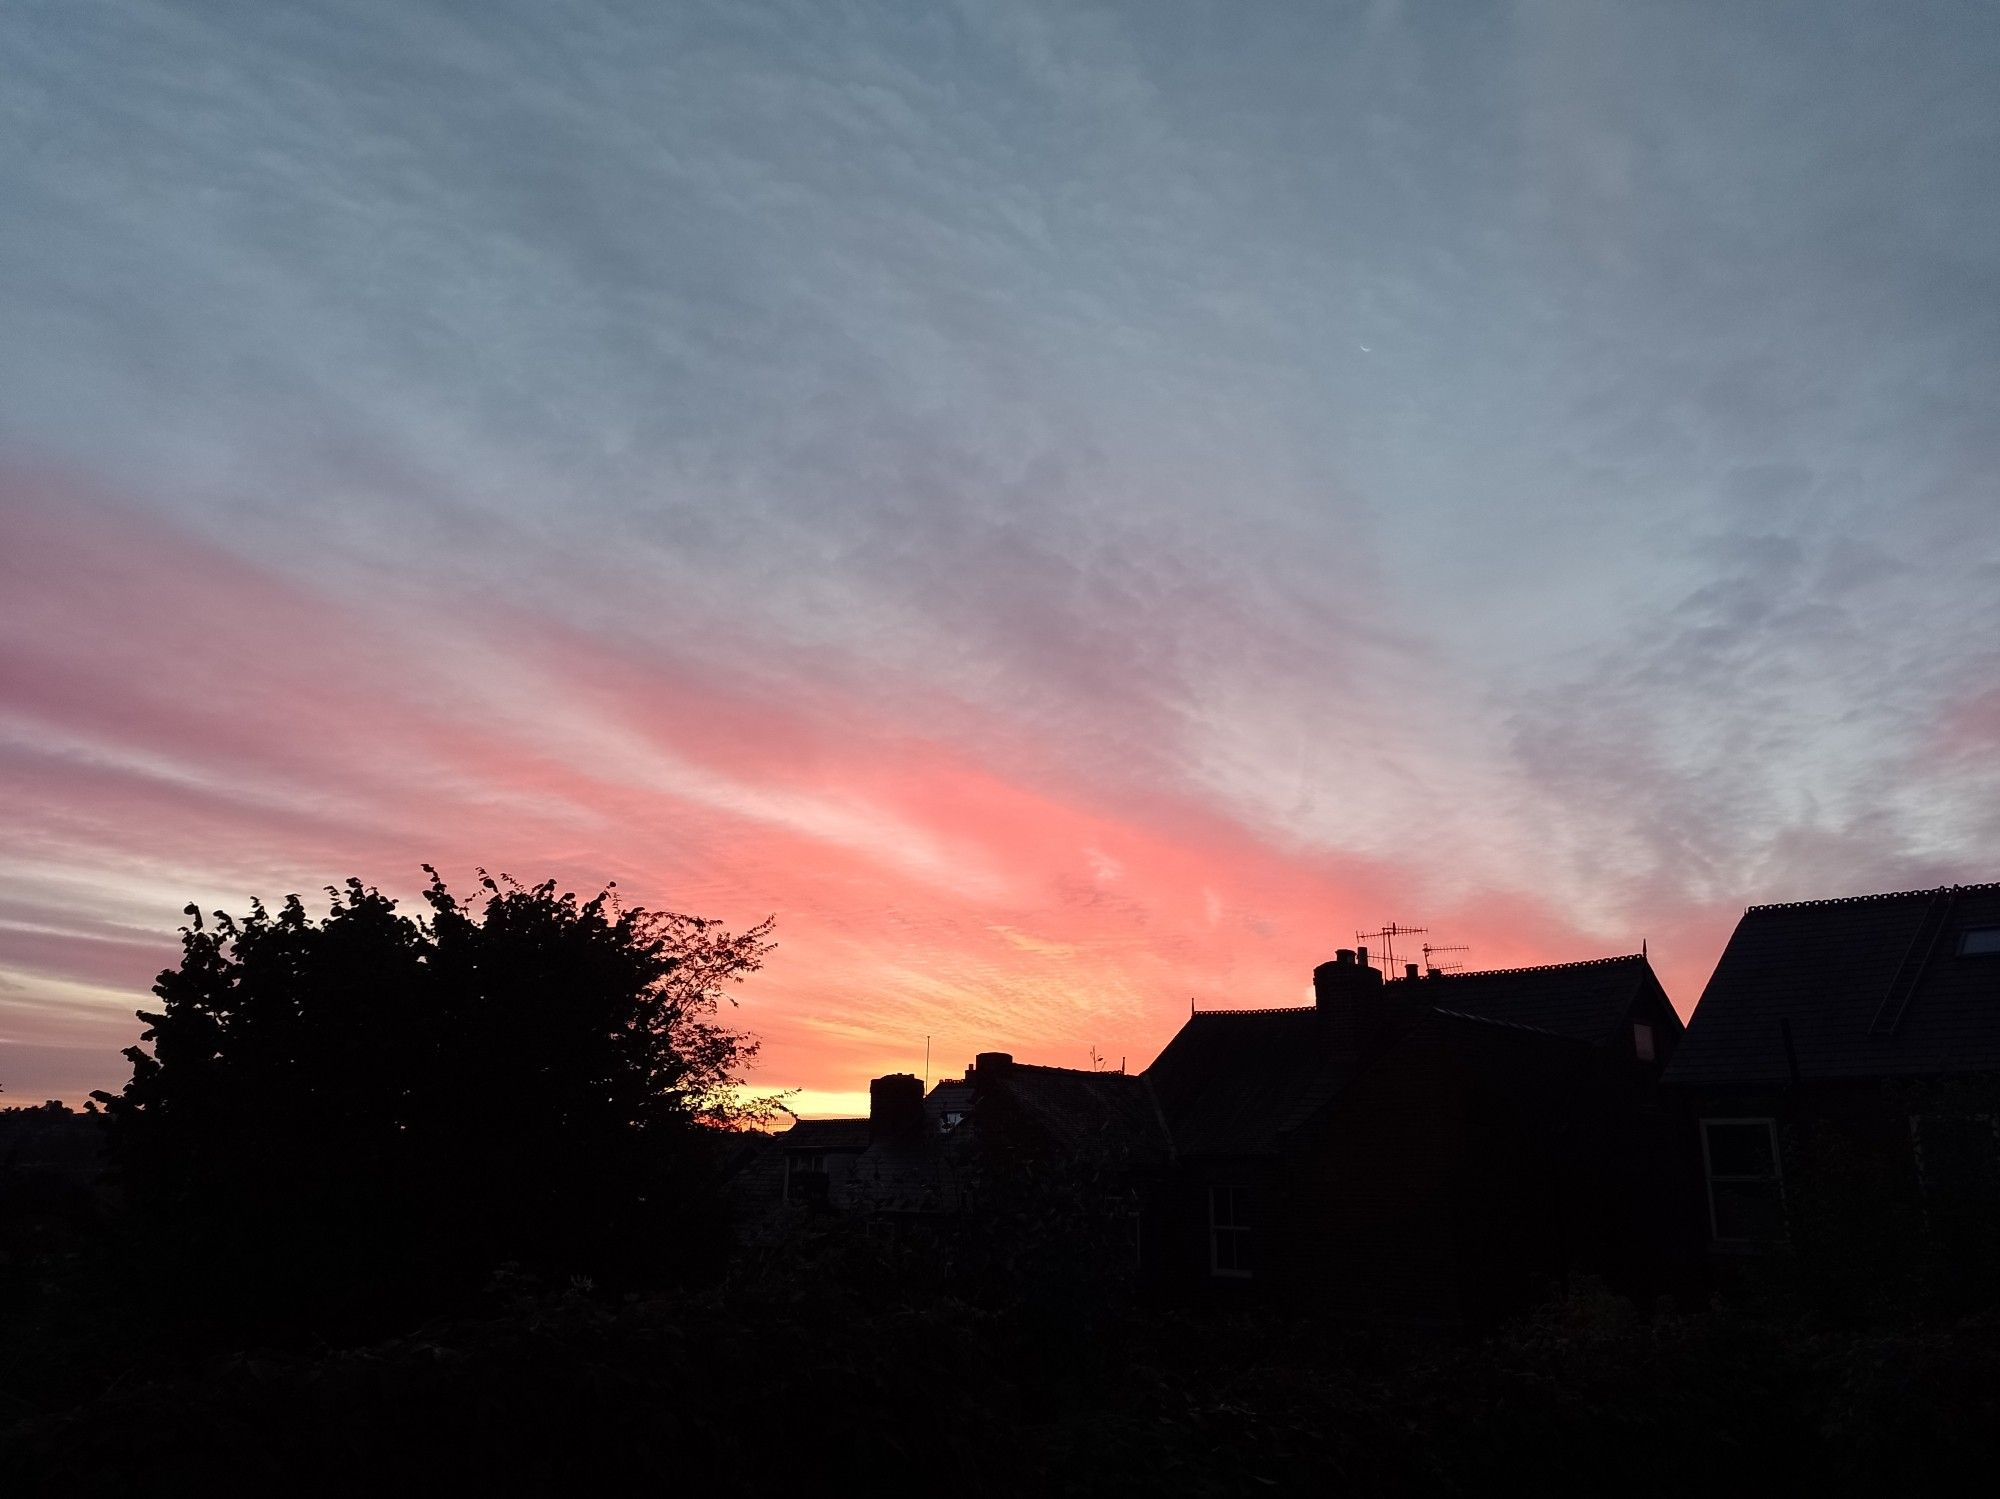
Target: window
point(1229, 1231)
point(950, 1120)
point(1979, 942)
point(805, 1176)
point(1642, 1042)
point(1746, 1193)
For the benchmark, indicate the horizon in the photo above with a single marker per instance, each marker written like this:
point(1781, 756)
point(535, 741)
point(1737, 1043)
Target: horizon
point(1072, 513)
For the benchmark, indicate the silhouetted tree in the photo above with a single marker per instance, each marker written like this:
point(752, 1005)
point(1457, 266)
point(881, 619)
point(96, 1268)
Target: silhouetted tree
point(372, 1106)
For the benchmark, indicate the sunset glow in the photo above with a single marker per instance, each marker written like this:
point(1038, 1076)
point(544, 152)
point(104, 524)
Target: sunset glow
point(788, 480)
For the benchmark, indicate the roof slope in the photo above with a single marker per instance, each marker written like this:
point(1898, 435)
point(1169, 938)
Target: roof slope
point(827, 1134)
point(1588, 1001)
point(1232, 1081)
point(1104, 1113)
point(1827, 967)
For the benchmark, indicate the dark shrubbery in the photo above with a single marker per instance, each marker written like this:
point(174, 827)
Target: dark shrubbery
point(842, 1361)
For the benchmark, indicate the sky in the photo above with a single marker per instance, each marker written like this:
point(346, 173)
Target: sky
point(1075, 509)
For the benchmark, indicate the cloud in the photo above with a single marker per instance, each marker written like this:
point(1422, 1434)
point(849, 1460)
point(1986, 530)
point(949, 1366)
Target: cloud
point(904, 464)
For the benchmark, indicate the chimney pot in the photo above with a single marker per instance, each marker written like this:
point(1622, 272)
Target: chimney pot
point(1361, 956)
point(1343, 955)
point(1409, 970)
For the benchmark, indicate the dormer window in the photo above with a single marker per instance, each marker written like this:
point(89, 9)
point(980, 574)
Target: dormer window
point(1979, 942)
point(1643, 1044)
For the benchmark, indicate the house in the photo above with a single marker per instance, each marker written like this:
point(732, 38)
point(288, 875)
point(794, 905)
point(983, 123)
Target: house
point(1432, 1149)
point(815, 1153)
point(920, 1156)
point(1842, 1076)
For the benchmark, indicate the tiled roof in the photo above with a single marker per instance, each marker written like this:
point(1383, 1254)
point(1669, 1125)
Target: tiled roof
point(826, 1134)
point(1505, 1025)
point(1870, 986)
point(1589, 1001)
point(1231, 1082)
point(1108, 1113)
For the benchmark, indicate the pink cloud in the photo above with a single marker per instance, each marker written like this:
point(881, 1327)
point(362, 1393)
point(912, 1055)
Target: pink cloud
point(182, 716)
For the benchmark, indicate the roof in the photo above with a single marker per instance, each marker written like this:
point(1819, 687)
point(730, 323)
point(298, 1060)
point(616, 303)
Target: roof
point(1231, 1082)
point(826, 1134)
point(1589, 1001)
point(1869, 986)
point(1089, 1112)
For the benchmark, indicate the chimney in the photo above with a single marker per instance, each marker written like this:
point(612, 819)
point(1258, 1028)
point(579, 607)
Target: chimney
point(895, 1108)
point(989, 1065)
point(1349, 994)
point(1409, 970)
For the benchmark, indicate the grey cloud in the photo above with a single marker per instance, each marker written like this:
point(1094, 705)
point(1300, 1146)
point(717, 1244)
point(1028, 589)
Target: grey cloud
point(1626, 373)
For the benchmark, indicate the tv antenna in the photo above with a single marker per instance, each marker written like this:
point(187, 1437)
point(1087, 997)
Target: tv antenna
point(1429, 948)
point(1389, 934)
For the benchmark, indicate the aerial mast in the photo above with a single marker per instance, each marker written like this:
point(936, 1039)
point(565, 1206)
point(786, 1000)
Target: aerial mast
point(1429, 948)
point(1389, 933)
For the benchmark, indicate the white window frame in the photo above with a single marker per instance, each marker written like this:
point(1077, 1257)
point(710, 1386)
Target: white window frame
point(1237, 1225)
point(1709, 1179)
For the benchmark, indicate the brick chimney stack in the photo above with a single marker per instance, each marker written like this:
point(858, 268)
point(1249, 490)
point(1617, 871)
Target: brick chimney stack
point(1349, 993)
point(895, 1108)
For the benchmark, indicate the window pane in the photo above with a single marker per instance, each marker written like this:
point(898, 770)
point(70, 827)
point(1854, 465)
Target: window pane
point(1225, 1252)
point(1229, 1207)
point(1642, 1041)
point(1748, 1211)
point(1740, 1149)
point(1980, 942)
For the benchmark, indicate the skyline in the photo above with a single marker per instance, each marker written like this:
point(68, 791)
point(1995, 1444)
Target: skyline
point(1071, 515)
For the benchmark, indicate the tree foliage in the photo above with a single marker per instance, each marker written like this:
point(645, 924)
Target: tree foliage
point(370, 1097)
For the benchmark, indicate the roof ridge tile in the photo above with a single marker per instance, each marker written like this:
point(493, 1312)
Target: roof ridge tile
point(1268, 1010)
point(1480, 973)
point(1857, 900)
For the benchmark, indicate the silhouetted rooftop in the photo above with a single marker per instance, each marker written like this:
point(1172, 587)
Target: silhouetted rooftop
point(1230, 1082)
point(1089, 1112)
point(827, 1134)
point(1589, 1001)
point(1871, 985)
